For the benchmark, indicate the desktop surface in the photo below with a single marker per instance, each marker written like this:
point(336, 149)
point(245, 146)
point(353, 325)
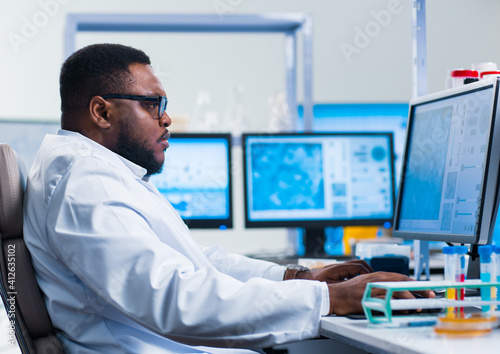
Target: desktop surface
point(413, 340)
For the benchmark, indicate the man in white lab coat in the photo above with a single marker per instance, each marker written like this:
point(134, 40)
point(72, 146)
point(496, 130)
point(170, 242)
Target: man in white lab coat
point(118, 267)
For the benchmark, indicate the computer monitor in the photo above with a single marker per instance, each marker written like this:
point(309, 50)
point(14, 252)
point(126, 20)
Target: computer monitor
point(317, 180)
point(449, 179)
point(363, 117)
point(26, 136)
point(196, 179)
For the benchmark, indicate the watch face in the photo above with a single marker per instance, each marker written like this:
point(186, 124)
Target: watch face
point(297, 267)
point(292, 270)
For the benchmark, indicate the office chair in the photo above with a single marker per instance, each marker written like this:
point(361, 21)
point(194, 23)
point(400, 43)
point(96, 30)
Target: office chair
point(31, 321)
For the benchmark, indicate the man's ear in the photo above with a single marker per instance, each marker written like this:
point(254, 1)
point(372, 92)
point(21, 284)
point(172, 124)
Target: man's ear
point(98, 109)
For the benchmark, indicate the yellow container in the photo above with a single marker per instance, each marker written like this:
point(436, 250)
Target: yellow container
point(353, 234)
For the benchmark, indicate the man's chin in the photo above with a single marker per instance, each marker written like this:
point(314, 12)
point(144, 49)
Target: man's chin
point(153, 170)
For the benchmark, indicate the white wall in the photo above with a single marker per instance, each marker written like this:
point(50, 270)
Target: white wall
point(360, 55)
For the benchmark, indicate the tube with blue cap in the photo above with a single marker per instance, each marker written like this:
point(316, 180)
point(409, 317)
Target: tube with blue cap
point(496, 261)
point(487, 272)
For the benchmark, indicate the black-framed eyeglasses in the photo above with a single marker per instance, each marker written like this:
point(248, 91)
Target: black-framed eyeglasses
point(160, 101)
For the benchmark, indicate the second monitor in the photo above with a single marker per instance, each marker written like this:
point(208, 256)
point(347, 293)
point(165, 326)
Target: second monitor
point(318, 180)
point(196, 179)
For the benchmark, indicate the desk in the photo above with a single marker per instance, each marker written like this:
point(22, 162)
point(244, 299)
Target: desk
point(415, 340)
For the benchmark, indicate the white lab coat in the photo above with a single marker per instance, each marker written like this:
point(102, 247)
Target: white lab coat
point(121, 272)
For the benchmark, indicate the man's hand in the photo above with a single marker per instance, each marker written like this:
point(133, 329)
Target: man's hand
point(345, 297)
point(336, 273)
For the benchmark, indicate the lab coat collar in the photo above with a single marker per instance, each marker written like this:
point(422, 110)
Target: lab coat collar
point(137, 170)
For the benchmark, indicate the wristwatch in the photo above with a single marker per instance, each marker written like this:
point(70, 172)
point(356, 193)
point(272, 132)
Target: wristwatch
point(292, 270)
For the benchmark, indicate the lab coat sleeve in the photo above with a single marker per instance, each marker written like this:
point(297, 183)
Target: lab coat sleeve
point(241, 267)
point(110, 246)
point(244, 268)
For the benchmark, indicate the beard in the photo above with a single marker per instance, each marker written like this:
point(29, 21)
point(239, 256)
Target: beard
point(136, 151)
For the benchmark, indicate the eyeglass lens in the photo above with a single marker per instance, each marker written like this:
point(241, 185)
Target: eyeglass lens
point(162, 107)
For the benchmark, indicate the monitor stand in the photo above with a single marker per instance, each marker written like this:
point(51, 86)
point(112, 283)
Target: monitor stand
point(473, 270)
point(314, 242)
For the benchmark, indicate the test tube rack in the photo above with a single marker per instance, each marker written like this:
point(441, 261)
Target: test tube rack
point(387, 304)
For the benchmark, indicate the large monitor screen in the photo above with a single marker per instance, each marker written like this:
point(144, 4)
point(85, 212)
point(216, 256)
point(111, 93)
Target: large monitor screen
point(318, 179)
point(449, 178)
point(364, 117)
point(196, 179)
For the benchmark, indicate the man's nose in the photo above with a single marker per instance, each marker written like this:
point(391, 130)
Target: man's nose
point(165, 120)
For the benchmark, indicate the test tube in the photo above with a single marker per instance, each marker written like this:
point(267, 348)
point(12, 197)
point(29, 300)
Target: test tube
point(487, 272)
point(496, 261)
point(450, 265)
point(461, 269)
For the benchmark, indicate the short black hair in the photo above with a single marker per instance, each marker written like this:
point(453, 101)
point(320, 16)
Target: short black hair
point(97, 69)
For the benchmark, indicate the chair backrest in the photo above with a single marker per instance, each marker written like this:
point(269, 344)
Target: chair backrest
point(19, 290)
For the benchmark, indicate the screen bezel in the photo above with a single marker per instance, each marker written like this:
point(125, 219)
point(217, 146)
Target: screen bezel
point(488, 195)
point(319, 223)
point(212, 223)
